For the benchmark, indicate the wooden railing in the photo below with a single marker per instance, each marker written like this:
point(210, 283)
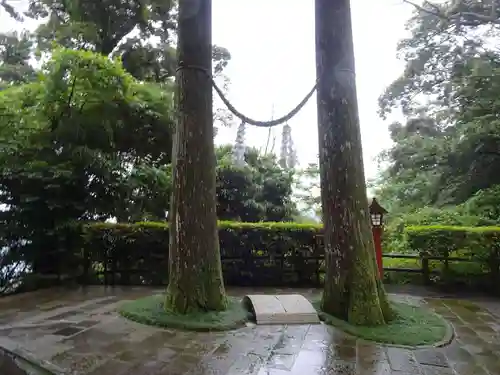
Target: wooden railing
point(425, 269)
point(313, 266)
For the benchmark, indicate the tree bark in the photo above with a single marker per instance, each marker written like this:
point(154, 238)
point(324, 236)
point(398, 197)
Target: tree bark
point(352, 291)
point(195, 274)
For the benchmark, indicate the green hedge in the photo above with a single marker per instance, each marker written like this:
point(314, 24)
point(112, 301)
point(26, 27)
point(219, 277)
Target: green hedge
point(277, 254)
point(479, 245)
point(280, 254)
point(394, 231)
point(478, 242)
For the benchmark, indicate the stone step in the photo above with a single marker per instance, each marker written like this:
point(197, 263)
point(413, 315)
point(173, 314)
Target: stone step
point(281, 309)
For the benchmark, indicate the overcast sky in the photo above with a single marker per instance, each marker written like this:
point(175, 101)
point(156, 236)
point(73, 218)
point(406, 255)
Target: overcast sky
point(272, 48)
point(273, 63)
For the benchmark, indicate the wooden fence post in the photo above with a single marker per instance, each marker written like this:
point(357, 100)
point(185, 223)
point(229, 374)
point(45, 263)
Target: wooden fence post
point(426, 273)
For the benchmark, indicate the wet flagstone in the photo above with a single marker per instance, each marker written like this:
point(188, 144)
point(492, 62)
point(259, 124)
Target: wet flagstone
point(431, 357)
point(68, 331)
point(80, 331)
point(403, 361)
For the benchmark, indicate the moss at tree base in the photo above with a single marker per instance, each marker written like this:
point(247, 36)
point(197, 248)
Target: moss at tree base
point(411, 326)
point(151, 311)
point(177, 302)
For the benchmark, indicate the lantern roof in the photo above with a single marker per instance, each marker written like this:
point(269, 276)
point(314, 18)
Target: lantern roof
point(376, 208)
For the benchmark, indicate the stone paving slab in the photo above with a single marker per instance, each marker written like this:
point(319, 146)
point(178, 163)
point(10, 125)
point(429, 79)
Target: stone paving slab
point(94, 340)
point(282, 309)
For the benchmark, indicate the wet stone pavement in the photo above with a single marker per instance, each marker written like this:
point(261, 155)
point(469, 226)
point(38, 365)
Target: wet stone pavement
point(80, 333)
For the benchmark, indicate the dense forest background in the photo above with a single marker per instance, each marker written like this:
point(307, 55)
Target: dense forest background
point(444, 164)
point(86, 124)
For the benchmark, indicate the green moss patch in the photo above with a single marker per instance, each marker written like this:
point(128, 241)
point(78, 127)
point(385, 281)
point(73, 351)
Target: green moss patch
point(150, 311)
point(412, 326)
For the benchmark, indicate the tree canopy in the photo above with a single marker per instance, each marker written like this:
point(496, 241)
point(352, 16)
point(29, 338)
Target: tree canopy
point(446, 153)
point(86, 125)
point(86, 141)
point(139, 32)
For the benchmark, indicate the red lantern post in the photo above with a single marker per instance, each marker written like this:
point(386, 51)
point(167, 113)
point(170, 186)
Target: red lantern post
point(377, 218)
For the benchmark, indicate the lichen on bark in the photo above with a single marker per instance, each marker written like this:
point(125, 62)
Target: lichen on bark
point(352, 290)
point(195, 272)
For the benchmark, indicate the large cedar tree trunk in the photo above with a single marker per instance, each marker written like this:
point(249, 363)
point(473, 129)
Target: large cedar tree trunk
point(352, 290)
point(195, 275)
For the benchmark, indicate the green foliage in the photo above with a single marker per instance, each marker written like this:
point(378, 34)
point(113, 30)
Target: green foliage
point(485, 203)
point(18, 120)
point(437, 56)
point(273, 254)
point(100, 26)
point(401, 277)
point(307, 191)
point(412, 166)
point(15, 51)
point(87, 142)
point(254, 253)
point(447, 150)
point(438, 167)
point(259, 191)
point(236, 193)
point(88, 135)
point(479, 244)
point(68, 149)
point(150, 311)
point(139, 32)
point(394, 232)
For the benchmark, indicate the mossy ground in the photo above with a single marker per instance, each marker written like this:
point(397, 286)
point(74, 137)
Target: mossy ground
point(149, 310)
point(411, 326)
